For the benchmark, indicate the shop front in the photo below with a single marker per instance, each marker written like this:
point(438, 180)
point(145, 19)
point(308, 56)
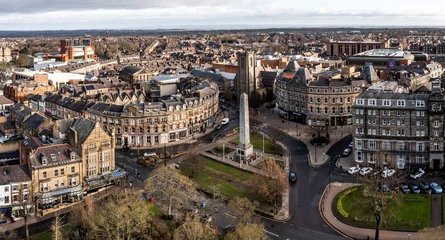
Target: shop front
point(50, 199)
point(104, 180)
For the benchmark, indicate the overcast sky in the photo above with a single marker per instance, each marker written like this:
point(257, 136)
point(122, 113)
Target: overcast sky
point(152, 14)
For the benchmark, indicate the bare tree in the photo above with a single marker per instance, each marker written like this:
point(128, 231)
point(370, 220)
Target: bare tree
point(250, 231)
point(192, 160)
point(272, 184)
point(56, 228)
point(194, 229)
point(276, 134)
point(169, 185)
point(243, 209)
point(377, 200)
point(121, 216)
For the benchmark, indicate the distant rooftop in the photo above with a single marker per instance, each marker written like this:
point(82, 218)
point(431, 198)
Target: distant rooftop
point(383, 53)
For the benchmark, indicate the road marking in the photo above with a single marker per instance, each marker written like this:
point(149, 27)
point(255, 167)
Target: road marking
point(230, 215)
point(273, 234)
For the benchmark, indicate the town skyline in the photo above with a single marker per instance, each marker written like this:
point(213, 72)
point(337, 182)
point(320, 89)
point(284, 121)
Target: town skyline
point(52, 15)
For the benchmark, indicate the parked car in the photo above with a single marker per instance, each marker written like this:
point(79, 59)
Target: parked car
point(424, 186)
point(149, 154)
point(206, 218)
point(346, 152)
point(384, 187)
point(414, 188)
point(366, 170)
point(218, 127)
point(388, 173)
point(225, 121)
point(417, 174)
point(351, 144)
point(292, 177)
point(353, 170)
point(404, 187)
point(435, 188)
point(228, 228)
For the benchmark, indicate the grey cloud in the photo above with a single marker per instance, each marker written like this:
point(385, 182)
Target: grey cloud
point(37, 6)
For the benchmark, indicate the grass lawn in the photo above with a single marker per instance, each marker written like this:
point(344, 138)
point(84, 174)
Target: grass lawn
point(219, 149)
point(413, 213)
point(154, 209)
point(256, 140)
point(229, 181)
point(48, 235)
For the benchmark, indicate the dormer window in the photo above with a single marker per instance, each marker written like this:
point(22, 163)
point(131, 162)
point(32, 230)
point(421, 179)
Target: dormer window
point(72, 156)
point(433, 107)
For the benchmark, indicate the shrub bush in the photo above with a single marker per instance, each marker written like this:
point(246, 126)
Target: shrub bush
point(340, 199)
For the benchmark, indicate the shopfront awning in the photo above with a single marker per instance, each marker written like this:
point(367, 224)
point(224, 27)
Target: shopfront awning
point(104, 179)
point(280, 112)
point(59, 192)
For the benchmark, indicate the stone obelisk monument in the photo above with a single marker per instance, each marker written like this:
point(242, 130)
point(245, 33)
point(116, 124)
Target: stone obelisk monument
point(244, 149)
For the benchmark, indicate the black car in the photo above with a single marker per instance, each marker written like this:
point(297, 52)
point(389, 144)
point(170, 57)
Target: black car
point(426, 188)
point(228, 228)
point(414, 188)
point(404, 187)
point(292, 177)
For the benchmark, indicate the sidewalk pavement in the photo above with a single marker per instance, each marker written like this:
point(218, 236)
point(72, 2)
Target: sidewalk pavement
point(345, 162)
point(317, 154)
point(325, 207)
point(49, 213)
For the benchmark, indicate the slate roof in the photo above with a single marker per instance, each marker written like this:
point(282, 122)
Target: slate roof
point(34, 121)
point(83, 127)
point(213, 76)
point(57, 154)
point(4, 100)
point(32, 143)
point(53, 98)
point(131, 70)
point(14, 174)
point(292, 66)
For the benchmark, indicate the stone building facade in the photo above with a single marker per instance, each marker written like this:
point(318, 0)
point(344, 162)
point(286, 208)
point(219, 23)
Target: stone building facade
point(152, 124)
point(302, 98)
point(397, 128)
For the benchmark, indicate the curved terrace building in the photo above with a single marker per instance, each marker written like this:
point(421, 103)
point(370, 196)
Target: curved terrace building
point(171, 119)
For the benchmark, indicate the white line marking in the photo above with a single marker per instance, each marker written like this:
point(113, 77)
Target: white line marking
point(230, 215)
point(273, 234)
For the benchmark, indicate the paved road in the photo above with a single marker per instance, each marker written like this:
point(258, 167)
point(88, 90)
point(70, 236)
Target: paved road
point(305, 221)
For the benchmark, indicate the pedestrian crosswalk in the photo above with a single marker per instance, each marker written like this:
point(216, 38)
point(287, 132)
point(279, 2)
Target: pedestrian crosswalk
point(259, 127)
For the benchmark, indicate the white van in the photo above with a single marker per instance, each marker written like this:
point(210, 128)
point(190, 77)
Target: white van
point(152, 154)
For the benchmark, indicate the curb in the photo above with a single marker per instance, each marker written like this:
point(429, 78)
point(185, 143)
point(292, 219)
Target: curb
point(316, 165)
point(326, 221)
point(273, 219)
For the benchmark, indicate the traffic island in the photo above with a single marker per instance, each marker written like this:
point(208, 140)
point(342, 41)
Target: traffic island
point(412, 213)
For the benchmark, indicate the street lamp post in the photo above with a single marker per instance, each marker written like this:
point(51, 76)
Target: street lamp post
point(223, 151)
point(165, 154)
point(263, 143)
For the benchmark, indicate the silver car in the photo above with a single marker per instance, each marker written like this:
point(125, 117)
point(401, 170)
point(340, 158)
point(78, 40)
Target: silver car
point(436, 188)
